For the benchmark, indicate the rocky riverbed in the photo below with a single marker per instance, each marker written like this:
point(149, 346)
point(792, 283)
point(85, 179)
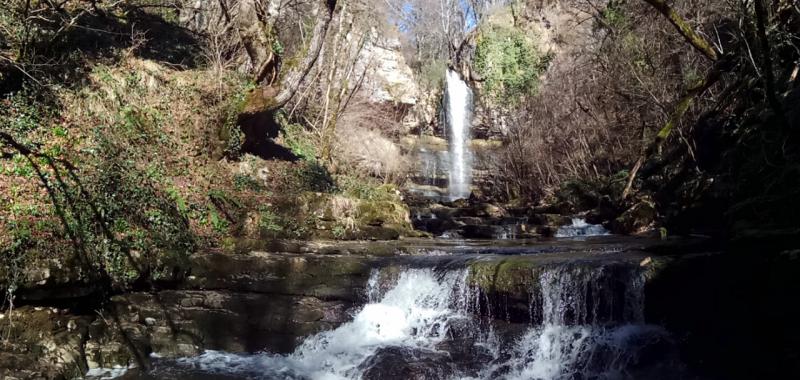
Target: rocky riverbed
point(271, 302)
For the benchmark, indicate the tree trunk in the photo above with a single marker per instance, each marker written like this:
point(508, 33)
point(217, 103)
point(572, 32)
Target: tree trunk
point(292, 80)
point(675, 118)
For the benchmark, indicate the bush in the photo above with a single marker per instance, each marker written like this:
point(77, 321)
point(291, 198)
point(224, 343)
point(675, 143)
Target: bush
point(368, 152)
point(509, 63)
point(296, 138)
point(230, 133)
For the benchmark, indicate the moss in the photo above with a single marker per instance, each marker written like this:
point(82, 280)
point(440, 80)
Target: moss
point(259, 99)
point(383, 212)
point(509, 275)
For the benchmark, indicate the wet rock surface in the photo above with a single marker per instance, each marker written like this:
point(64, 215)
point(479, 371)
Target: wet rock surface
point(183, 323)
point(403, 363)
point(272, 301)
point(477, 220)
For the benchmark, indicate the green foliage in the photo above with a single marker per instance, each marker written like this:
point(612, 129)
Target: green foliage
point(614, 16)
point(269, 221)
point(14, 258)
point(230, 132)
point(21, 114)
point(123, 217)
point(509, 63)
point(245, 182)
point(339, 231)
point(277, 47)
point(368, 189)
point(20, 167)
point(219, 223)
point(180, 201)
point(296, 138)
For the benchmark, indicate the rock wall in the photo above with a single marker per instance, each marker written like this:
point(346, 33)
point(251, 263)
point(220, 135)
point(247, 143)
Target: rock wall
point(389, 79)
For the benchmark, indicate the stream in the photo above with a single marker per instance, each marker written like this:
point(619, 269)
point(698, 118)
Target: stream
point(430, 316)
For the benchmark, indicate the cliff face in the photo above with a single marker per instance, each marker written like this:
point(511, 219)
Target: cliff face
point(559, 33)
point(391, 79)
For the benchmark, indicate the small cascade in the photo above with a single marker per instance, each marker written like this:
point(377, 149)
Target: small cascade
point(592, 327)
point(579, 228)
point(430, 324)
point(458, 110)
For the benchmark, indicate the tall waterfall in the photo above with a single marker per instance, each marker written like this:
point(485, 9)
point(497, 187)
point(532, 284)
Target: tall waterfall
point(427, 324)
point(458, 114)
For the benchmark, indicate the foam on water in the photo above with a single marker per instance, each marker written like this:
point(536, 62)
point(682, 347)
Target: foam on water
point(556, 352)
point(105, 373)
point(591, 327)
point(415, 313)
point(579, 228)
point(585, 333)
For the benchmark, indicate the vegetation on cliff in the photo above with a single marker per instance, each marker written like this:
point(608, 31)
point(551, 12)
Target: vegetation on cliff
point(683, 105)
point(507, 63)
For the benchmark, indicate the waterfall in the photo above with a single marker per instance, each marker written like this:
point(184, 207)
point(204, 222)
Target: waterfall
point(592, 327)
point(458, 110)
point(426, 323)
point(579, 228)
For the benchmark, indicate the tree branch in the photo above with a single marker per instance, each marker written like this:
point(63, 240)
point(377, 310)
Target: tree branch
point(683, 105)
point(697, 41)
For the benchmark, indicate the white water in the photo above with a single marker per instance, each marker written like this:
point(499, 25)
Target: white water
point(458, 108)
point(579, 228)
point(416, 313)
point(105, 373)
point(592, 327)
point(587, 331)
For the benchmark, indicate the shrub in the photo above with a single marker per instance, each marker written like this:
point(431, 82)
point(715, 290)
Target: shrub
point(509, 63)
point(296, 138)
point(230, 133)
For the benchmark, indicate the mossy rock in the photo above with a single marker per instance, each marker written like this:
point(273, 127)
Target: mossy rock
point(636, 219)
point(576, 196)
point(489, 210)
point(510, 275)
point(379, 213)
point(45, 342)
point(375, 233)
point(260, 99)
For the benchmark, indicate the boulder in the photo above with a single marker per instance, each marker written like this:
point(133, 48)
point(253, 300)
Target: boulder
point(555, 220)
point(489, 210)
point(481, 231)
point(42, 343)
point(637, 219)
point(407, 363)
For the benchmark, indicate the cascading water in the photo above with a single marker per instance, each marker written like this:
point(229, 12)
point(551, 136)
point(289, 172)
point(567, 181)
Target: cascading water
point(592, 328)
point(580, 228)
point(458, 113)
point(426, 324)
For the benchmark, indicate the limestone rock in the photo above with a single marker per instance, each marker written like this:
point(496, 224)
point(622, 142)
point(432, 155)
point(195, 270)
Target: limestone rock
point(392, 80)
